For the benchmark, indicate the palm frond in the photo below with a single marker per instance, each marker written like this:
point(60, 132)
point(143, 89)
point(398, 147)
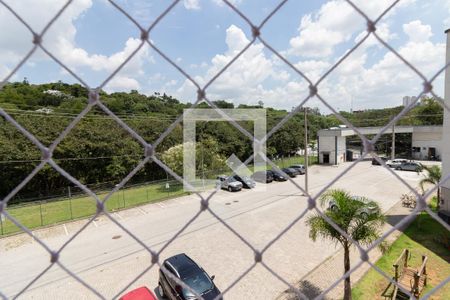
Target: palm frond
point(348, 216)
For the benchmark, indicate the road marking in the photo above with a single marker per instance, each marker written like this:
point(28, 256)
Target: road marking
point(119, 216)
point(160, 205)
point(65, 229)
point(95, 224)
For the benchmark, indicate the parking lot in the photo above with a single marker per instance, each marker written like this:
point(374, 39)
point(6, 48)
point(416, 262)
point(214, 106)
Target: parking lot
point(107, 259)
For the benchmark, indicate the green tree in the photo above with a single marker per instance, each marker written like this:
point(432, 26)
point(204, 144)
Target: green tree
point(433, 176)
point(352, 216)
point(207, 157)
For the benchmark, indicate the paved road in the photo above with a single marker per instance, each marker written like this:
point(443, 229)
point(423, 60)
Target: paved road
point(106, 258)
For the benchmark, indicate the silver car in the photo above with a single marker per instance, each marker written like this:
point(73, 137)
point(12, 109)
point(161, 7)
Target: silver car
point(363, 211)
point(300, 169)
point(228, 183)
point(410, 166)
point(394, 163)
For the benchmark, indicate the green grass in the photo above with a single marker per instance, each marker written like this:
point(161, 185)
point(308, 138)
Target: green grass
point(295, 160)
point(421, 238)
point(44, 213)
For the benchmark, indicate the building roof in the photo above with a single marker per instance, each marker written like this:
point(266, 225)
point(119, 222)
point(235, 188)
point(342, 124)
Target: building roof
point(337, 131)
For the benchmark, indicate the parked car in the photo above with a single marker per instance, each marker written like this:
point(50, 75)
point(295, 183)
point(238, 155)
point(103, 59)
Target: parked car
point(262, 176)
point(184, 268)
point(396, 162)
point(246, 181)
point(229, 183)
point(410, 166)
point(300, 168)
point(363, 212)
point(142, 293)
point(277, 176)
point(376, 163)
point(290, 172)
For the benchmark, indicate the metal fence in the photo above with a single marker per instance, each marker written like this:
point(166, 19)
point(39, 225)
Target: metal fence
point(73, 204)
point(314, 92)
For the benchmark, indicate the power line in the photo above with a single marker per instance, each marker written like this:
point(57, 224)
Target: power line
point(71, 159)
point(72, 116)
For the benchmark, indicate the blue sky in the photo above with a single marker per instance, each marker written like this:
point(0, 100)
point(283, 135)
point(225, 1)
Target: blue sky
point(92, 38)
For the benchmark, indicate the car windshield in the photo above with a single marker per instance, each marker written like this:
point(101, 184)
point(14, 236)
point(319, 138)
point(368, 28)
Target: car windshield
point(199, 282)
point(232, 179)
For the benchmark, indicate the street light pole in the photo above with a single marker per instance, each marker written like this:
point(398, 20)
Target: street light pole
point(306, 148)
point(393, 142)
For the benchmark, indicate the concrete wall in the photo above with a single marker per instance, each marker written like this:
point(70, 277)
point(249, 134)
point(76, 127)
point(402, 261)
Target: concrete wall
point(341, 149)
point(426, 140)
point(332, 146)
point(445, 201)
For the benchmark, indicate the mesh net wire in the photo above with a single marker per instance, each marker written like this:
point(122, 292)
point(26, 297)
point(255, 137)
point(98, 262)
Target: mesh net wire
point(94, 99)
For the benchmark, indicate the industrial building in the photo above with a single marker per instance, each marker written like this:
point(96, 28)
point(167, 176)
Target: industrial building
point(332, 149)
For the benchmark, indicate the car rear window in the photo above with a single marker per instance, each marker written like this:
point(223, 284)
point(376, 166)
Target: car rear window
point(199, 282)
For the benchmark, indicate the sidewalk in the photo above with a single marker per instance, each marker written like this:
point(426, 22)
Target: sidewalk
point(325, 274)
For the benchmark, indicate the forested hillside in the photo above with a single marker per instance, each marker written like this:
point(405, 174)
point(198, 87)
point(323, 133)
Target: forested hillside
point(98, 150)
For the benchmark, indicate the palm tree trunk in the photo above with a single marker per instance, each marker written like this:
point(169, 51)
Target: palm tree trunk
point(438, 198)
point(347, 284)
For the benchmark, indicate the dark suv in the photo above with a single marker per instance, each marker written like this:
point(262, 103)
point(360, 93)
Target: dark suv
point(184, 268)
point(262, 176)
point(277, 176)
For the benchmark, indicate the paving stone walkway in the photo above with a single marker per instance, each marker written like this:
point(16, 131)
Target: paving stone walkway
point(326, 274)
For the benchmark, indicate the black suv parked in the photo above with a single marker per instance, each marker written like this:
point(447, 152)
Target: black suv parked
point(184, 268)
point(277, 176)
point(291, 172)
point(262, 176)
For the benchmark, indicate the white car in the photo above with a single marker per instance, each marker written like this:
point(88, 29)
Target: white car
point(394, 163)
point(228, 183)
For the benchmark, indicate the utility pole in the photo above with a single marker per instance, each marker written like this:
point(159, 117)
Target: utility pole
point(305, 110)
point(393, 142)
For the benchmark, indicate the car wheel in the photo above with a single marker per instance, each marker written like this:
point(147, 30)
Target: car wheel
point(161, 291)
point(230, 189)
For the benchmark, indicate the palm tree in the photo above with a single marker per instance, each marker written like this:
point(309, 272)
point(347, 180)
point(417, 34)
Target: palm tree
point(433, 177)
point(359, 217)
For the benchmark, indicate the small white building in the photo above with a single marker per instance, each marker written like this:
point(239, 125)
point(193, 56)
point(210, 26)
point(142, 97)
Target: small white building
point(331, 145)
point(426, 142)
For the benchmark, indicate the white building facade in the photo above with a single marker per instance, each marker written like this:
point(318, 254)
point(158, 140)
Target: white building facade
point(426, 143)
point(445, 187)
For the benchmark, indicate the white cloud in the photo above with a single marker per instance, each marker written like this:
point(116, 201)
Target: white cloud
point(221, 3)
point(4, 71)
point(241, 79)
point(61, 39)
point(313, 69)
point(192, 4)
point(447, 21)
point(122, 83)
point(387, 80)
point(335, 22)
point(16, 41)
point(417, 32)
